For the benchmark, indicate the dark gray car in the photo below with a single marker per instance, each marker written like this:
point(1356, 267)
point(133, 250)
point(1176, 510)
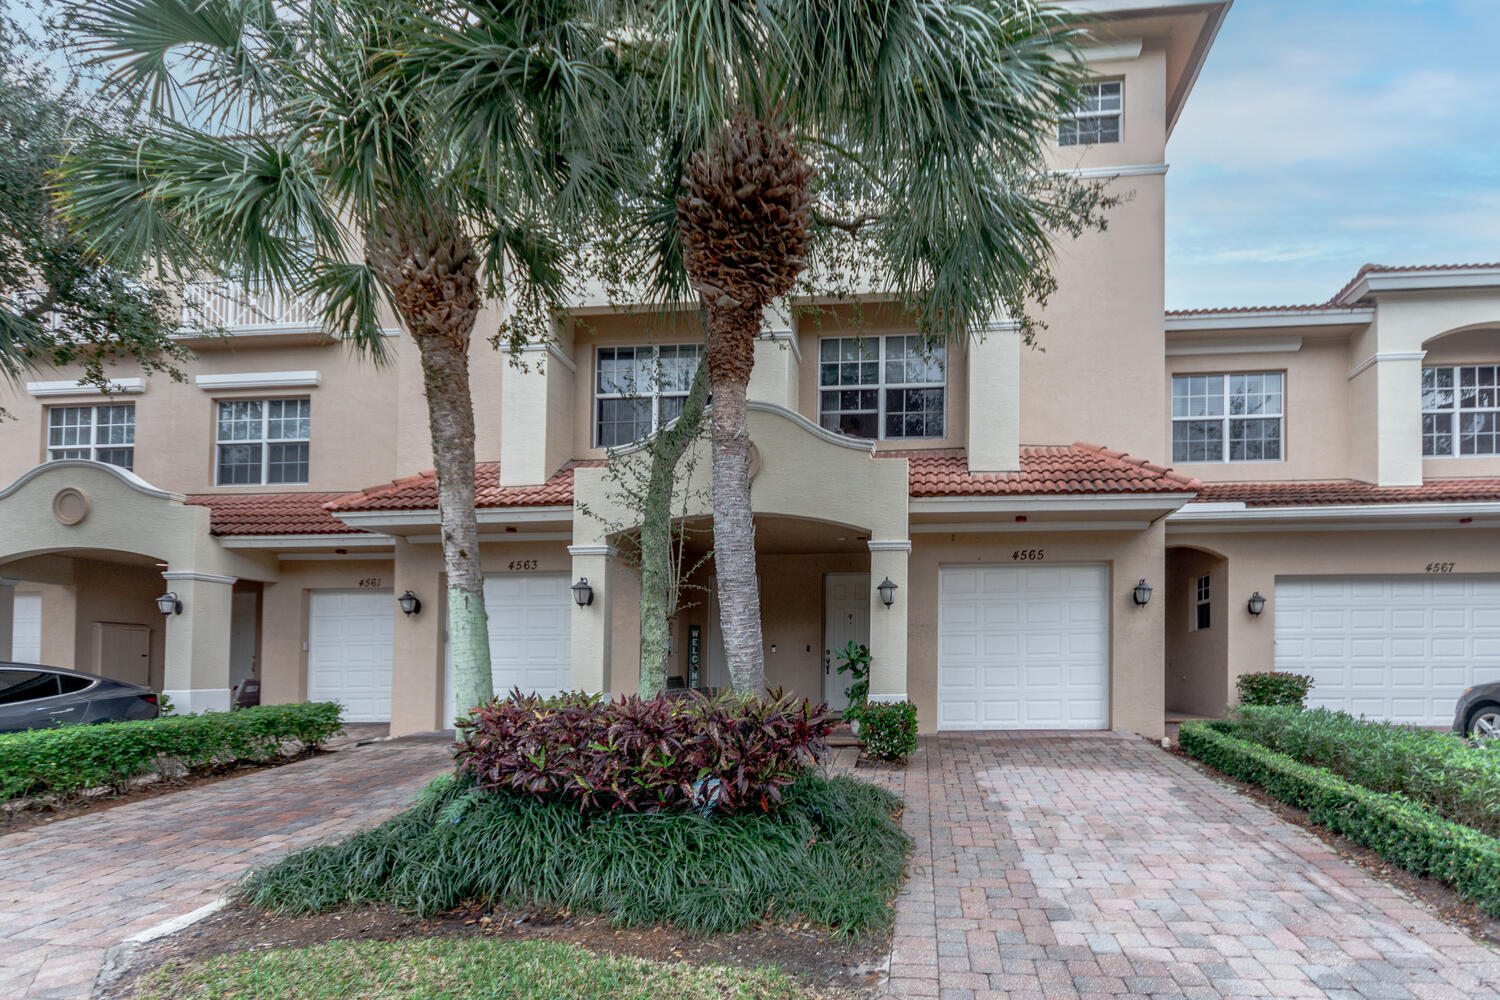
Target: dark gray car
point(1478, 713)
point(35, 697)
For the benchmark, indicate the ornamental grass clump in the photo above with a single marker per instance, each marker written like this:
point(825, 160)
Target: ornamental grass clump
point(727, 754)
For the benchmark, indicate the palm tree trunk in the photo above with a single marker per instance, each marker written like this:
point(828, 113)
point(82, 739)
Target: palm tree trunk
point(731, 355)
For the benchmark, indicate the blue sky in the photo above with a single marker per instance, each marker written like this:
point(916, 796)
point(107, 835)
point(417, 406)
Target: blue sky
point(1324, 134)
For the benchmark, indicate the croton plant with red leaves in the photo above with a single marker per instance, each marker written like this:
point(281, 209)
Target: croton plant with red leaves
point(727, 754)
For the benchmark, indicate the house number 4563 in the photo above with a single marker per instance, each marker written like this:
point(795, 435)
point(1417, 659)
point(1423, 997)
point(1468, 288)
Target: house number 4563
point(1028, 555)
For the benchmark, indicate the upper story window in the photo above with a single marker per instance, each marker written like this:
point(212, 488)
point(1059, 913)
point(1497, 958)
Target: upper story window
point(1097, 117)
point(1469, 395)
point(263, 441)
point(1227, 418)
point(881, 387)
point(640, 389)
point(104, 433)
point(1201, 605)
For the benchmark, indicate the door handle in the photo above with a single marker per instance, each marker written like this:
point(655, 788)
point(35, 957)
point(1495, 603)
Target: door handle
point(827, 653)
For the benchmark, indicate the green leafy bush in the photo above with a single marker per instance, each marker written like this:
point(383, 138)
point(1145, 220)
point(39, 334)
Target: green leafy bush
point(888, 729)
point(1271, 687)
point(1401, 831)
point(832, 855)
point(70, 758)
point(1461, 782)
point(854, 660)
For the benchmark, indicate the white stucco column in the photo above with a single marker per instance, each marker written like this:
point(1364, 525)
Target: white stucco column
point(7, 617)
point(1388, 385)
point(888, 559)
point(536, 415)
point(196, 675)
point(994, 438)
point(778, 364)
point(592, 624)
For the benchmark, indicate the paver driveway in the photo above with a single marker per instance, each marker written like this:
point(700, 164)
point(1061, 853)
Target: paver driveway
point(1100, 866)
point(72, 889)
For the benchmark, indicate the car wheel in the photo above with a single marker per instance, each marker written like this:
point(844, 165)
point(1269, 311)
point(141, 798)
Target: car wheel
point(1484, 723)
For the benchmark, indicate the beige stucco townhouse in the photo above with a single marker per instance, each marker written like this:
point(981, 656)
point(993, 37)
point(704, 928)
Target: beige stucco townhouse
point(1332, 503)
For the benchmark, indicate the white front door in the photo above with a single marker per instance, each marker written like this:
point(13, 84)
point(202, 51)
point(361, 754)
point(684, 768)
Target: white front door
point(349, 639)
point(1023, 647)
point(1390, 647)
point(26, 629)
point(530, 630)
point(846, 619)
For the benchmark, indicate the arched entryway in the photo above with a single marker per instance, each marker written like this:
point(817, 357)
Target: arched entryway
point(1197, 640)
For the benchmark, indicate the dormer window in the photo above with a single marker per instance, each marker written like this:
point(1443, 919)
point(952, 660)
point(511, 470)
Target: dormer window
point(1097, 117)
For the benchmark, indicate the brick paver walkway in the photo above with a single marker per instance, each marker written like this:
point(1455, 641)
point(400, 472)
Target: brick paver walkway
point(72, 889)
point(1101, 867)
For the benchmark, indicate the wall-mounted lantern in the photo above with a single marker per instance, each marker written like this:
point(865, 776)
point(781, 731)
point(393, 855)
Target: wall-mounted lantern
point(1256, 604)
point(168, 604)
point(1142, 593)
point(887, 592)
point(409, 602)
point(583, 594)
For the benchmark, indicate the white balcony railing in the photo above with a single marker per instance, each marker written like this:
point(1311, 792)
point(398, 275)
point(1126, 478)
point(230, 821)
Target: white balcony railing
point(227, 305)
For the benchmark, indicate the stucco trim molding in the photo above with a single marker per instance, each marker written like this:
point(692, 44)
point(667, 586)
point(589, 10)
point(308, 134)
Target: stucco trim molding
point(889, 544)
point(886, 699)
point(1006, 503)
point(1238, 513)
point(187, 574)
point(260, 380)
point(324, 540)
point(1380, 356)
point(842, 440)
point(550, 348)
point(608, 551)
point(1235, 345)
point(377, 520)
point(1123, 170)
point(1266, 319)
point(1425, 280)
point(123, 475)
point(787, 337)
point(127, 386)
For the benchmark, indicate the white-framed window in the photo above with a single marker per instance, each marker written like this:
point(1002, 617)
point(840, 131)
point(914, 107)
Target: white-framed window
point(104, 433)
point(1461, 411)
point(882, 387)
point(640, 388)
point(1200, 616)
point(1098, 116)
point(263, 441)
point(1227, 418)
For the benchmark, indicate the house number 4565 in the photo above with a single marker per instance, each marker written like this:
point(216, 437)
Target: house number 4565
point(1028, 555)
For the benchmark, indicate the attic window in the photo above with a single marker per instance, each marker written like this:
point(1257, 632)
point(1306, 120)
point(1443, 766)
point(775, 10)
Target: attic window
point(1098, 115)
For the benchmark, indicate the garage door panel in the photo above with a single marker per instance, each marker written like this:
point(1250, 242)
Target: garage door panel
point(1022, 647)
point(349, 641)
point(1396, 647)
point(529, 632)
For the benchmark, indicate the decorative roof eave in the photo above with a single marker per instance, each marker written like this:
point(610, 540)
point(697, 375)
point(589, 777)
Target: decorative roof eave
point(1239, 516)
point(1003, 503)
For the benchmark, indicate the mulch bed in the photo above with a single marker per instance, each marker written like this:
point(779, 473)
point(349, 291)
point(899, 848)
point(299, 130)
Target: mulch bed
point(1441, 899)
point(40, 812)
point(837, 968)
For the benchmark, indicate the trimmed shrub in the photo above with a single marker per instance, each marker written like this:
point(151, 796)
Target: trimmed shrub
point(1404, 833)
point(1460, 782)
point(888, 729)
point(70, 758)
point(727, 753)
point(1271, 687)
point(832, 856)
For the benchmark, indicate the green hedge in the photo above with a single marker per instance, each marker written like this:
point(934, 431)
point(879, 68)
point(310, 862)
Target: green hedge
point(1403, 832)
point(1272, 687)
point(888, 729)
point(1460, 782)
point(70, 758)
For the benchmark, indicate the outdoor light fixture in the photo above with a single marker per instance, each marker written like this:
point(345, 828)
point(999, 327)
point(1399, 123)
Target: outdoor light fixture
point(887, 591)
point(409, 603)
point(583, 594)
point(1142, 593)
point(1257, 603)
point(168, 604)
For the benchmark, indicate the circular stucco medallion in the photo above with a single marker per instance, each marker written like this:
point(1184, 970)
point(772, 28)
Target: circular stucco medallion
point(70, 506)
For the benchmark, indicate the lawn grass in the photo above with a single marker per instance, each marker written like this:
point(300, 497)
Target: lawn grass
point(456, 969)
point(832, 856)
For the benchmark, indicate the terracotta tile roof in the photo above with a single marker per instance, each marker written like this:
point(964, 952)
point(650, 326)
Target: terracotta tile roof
point(1228, 310)
point(1062, 469)
point(1348, 491)
point(271, 514)
point(1405, 269)
point(419, 492)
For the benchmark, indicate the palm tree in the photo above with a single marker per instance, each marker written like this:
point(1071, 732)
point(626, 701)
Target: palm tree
point(795, 142)
point(288, 145)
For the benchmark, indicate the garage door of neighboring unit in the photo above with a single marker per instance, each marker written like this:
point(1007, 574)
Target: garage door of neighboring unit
point(1391, 647)
point(530, 633)
point(349, 635)
point(26, 634)
point(1023, 647)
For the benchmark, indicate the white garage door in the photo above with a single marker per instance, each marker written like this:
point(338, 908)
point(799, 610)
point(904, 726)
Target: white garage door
point(1023, 647)
point(530, 634)
point(26, 634)
point(1390, 647)
point(349, 637)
